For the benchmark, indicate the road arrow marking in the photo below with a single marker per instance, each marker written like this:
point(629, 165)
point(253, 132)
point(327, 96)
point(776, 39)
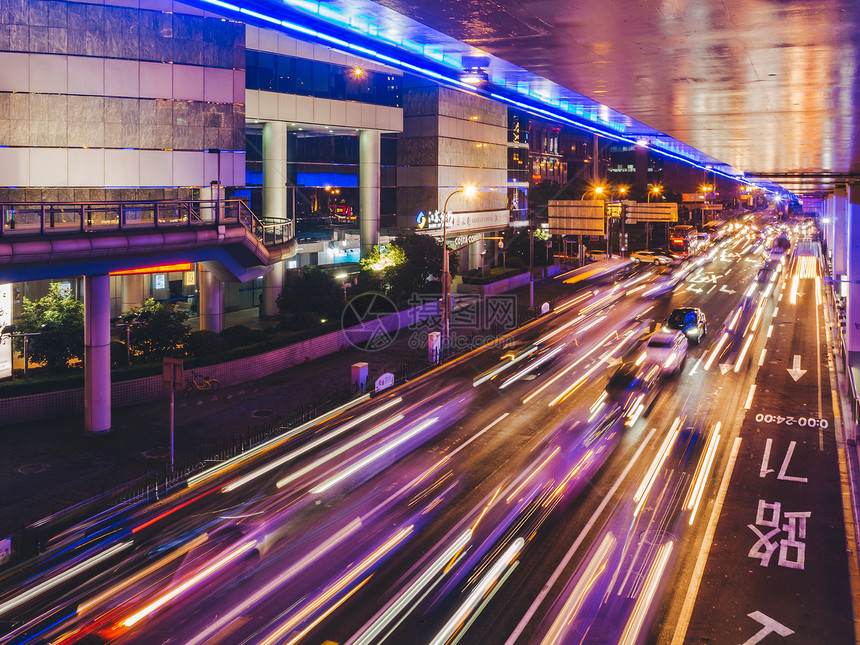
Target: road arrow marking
point(770, 626)
point(724, 290)
point(795, 370)
point(724, 367)
point(690, 288)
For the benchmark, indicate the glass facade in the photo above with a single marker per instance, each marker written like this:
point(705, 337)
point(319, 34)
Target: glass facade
point(288, 75)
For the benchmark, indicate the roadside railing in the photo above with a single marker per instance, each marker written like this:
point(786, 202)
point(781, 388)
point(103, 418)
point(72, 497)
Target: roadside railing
point(27, 218)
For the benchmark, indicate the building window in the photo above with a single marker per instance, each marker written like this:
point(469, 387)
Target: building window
point(289, 75)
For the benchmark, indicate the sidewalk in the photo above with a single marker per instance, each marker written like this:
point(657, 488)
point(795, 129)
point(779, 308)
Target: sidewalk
point(51, 465)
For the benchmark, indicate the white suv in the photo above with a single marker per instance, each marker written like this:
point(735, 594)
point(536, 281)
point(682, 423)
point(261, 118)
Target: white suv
point(668, 349)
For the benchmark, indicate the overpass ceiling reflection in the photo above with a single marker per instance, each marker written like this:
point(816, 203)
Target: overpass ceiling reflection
point(767, 86)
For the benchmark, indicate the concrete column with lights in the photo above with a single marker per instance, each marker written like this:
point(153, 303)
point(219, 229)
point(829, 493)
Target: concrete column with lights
point(211, 301)
point(840, 232)
point(97, 401)
point(852, 307)
point(476, 254)
point(369, 146)
point(275, 193)
point(132, 291)
point(273, 285)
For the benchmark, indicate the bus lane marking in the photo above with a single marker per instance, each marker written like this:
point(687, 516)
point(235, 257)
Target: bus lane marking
point(769, 626)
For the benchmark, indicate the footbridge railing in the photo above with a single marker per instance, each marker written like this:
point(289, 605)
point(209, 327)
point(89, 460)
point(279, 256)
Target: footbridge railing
point(90, 217)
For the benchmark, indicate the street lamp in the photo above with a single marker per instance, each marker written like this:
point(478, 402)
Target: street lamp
point(342, 277)
point(597, 190)
point(446, 298)
point(654, 189)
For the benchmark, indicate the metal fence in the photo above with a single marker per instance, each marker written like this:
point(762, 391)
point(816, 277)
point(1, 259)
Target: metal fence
point(27, 218)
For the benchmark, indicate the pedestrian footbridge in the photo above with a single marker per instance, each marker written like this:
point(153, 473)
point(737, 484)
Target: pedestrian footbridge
point(53, 240)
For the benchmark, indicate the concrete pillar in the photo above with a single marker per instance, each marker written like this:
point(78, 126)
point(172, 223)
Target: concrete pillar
point(476, 254)
point(273, 285)
point(368, 182)
point(274, 170)
point(132, 291)
point(852, 307)
point(210, 193)
point(97, 354)
point(211, 301)
point(840, 232)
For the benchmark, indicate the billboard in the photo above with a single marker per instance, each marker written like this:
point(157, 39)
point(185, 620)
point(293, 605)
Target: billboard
point(664, 212)
point(576, 217)
point(5, 341)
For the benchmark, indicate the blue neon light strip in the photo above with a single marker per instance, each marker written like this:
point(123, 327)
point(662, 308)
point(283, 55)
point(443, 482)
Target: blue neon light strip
point(423, 71)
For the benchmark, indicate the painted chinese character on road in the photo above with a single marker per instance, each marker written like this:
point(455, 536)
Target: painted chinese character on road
point(792, 549)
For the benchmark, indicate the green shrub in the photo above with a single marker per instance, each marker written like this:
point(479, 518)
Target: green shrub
point(204, 345)
point(242, 336)
point(118, 354)
point(514, 263)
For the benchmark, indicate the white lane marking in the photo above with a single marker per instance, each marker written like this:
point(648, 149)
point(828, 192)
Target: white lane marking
point(771, 626)
point(748, 404)
point(699, 569)
point(795, 372)
point(761, 358)
point(564, 562)
point(711, 289)
point(770, 331)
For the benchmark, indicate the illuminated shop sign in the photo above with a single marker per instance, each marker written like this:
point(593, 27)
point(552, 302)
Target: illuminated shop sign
point(5, 341)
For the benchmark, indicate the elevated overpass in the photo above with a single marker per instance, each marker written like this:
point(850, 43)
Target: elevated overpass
point(52, 240)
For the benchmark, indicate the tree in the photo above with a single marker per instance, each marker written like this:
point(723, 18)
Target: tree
point(60, 320)
point(422, 267)
point(162, 332)
point(311, 290)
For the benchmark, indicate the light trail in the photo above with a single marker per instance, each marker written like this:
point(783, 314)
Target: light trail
point(185, 586)
point(354, 468)
point(332, 542)
point(337, 586)
point(702, 474)
point(312, 445)
point(643, 603)
point(596, 566)
point(653, 470)
point(62, 577)
point(272, 443)
point(331, 454)
point(370, 635)
point(478, 592)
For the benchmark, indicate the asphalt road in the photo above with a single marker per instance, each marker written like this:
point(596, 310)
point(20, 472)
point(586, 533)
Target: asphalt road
point(502, 500)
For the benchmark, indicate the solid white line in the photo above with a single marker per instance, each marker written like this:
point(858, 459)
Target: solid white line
point(699, 569)
point(564, 562)
point(748, 404)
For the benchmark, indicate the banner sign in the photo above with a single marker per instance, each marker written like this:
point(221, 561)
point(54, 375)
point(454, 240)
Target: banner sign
point(576, 217)
point(5, 341)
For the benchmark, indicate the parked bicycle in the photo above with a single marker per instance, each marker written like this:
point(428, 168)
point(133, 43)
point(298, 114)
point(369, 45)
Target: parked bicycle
point(202, 384)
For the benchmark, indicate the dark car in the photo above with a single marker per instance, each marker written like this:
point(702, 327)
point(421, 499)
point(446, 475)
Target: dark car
point(691, 321)
point(633, 385)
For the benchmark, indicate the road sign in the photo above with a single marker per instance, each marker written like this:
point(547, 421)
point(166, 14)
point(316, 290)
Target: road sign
point(651, 212)
point(172, 377)
point(576, 217)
